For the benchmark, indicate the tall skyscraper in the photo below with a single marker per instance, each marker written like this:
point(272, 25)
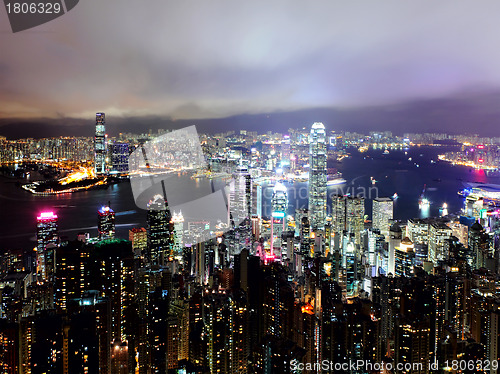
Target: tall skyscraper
point(46, 233)
point(46, 229)
point(159, 233)
point(383, 212)
point(438, 232)
point(404, 258)
point(100, 145)
point(317, 176)
point(178, 222)
point(106, 223)
point(279, 204)
point(355, 214)
point(395, 237)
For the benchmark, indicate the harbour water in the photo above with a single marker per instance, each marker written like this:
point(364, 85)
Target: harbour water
point(393, 173)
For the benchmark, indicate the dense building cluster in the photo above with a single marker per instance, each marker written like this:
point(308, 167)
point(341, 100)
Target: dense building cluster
point(282, 287)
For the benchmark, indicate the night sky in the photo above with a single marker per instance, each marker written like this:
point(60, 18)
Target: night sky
point(400, 65)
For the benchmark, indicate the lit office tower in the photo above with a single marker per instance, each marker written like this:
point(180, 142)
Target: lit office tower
point(100, 145)
point(338, 220)
point(395, 237)
point(383, 208)
point(139, 239)
point(159, 240)
point(438, 232)
point(178, 222)
point(257, 200)
point(478, 246)
point(106, 223)
point(46, 229)
point(119, 158)
point(240, 197)
point(355, 215)
point(317, 176)
point(46, 233)
point(338, 214)
point(279, 204)
point(404, 258)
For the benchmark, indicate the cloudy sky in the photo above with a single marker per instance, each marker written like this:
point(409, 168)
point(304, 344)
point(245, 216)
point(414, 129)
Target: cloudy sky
point(207, 59)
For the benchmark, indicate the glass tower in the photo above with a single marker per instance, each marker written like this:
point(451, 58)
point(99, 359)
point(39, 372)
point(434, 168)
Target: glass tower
point(106, 223)
point(47, 239)
point(100, 145)
point(159, 231)
point(317, 176)
point(279, 204)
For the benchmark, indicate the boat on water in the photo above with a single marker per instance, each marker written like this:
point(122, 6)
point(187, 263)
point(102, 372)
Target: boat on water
point(335, 179)
point(335, 182)
point(423, 202)
point(386, 152)
point(395, 196)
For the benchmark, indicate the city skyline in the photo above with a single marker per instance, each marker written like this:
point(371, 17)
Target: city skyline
point(250, 187)
point(294, 275)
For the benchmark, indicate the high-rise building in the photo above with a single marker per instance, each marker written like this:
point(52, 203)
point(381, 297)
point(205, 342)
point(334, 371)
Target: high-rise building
point(119, 158)
point(257, 200)
point(438, 232)
point(46, 233)
point(404, 258)
point(317, 176)
point(395, 236)
point(178, 222)
point(100, 145)
point(418, 231)
point(383, 208)
point(338, 214)
point(139, 239)
point(412, 337)
point(106, 223)
point(478, 243)
point(159, 232)
point(355, 216)
point(46, 229)
point(240, 197)
point(279, 204)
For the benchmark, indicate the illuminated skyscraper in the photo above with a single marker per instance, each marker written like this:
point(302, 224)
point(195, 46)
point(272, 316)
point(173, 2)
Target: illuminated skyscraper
point(46, 233)
point(119, 158)
point(317, 176)
point(279, 203)
point(106, 223)
point(178, 222)
point(355, 213)
point(46, 229)
point(478, 246)
point(100, 145)
point(382, 213)
point(139, 239)
point(438, 232)
point(395, 237)
point(338, 220)
point(159, 233)
point(404, 258)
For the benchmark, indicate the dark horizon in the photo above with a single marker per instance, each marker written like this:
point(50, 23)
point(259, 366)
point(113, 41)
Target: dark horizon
point(472, 113)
